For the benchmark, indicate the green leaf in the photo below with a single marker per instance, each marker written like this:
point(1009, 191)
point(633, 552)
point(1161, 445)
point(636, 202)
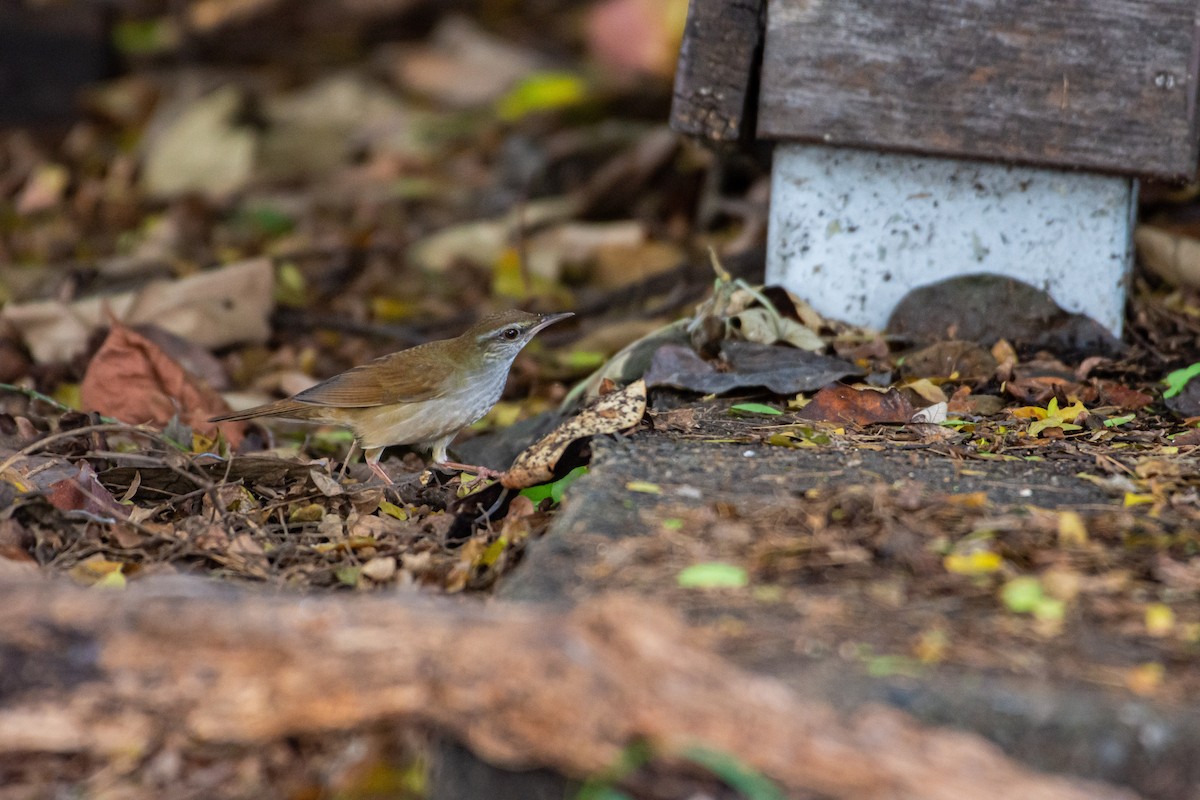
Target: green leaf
point(754, 408)
point(265, 220)
point(1022, 595)
point(583, 359)
point(349, 575)
point(713, 575)
point(291, 289)
point(797, 436)
point(1025, 595)
point(888, 665)
point(1050, 609)
point(146, 37)
point(542, 91)
point(600, 786)
point(554, 490)
point(743, 779)
point(1177, 380)
point(1113, 422)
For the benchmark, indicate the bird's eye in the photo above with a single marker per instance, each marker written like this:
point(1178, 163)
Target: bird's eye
point(511, 334)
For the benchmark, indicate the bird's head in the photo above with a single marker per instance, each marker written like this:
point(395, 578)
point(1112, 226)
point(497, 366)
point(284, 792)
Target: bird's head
point(499, 337)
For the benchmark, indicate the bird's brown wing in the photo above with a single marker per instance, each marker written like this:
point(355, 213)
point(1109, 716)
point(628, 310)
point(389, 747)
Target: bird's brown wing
point(379, 383)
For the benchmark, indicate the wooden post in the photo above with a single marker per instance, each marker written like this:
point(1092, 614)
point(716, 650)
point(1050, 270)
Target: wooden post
point(894, 117)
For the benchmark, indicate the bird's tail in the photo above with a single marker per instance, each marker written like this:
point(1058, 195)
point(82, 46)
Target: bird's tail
point(280, 408)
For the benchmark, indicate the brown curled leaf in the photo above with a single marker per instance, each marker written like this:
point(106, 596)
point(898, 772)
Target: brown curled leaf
point(612, 413)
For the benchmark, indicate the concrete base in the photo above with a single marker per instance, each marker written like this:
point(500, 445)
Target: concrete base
point(852, 231)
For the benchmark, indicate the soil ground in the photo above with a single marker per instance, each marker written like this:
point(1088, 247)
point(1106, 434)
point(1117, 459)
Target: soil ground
point(848, 599)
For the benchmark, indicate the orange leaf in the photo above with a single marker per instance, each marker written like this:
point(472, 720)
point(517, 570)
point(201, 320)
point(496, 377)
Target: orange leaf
point(847, 405)
point(132, 380)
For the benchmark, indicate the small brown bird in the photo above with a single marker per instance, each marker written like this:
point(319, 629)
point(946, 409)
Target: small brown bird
point(420, 396)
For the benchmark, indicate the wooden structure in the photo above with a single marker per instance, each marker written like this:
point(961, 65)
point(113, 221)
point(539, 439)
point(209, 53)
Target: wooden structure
point(1106, 86)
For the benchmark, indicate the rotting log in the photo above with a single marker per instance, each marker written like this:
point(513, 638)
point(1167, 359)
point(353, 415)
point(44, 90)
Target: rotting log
point(521, 685)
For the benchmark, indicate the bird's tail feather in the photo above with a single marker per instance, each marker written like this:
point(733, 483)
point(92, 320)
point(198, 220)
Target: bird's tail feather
point(279, 408)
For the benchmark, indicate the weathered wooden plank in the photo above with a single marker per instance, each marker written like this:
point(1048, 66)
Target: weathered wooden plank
point(717, 77)
point(1108, 85)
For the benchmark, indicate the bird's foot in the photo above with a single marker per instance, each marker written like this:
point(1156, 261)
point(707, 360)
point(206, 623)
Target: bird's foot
point(481, 473)
point(378, 470)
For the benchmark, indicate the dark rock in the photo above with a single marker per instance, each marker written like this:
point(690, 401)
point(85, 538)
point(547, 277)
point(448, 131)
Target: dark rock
point(987, 308)
point(942, 359)
point(1187, 403)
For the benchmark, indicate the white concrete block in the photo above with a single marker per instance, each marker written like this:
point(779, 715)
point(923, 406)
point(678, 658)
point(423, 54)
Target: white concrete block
point(852, 231)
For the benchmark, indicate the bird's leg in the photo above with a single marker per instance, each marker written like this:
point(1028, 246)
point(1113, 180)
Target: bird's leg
point(372, 458)
point(349, 457)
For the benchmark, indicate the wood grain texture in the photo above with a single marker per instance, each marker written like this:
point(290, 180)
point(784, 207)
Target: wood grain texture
point(717, 77)
point(522, 685)
point(1108, 85)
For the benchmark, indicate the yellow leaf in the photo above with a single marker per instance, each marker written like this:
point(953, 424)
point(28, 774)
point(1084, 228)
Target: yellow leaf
point(1072, 532)
point(393, 510)
point(493, 552)
point(1160, 619)
point(1029, 412)
point(1132, 499)
point(307, 513)
point(69, 395)
point(979, 562)
point(95, 569)
point(502, 415)
point(508, 279)
point(113, 580)
point(645, 487)
point(928, 390)
point(1073, 412)
point(392, 309)
point(12, 478)
point(969, 500)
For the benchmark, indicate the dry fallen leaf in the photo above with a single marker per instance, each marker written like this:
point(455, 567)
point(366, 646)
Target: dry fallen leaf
point(380, 569)
point(84, 492)
point(1172, 256)
point(610, 414)
point(763, 326)
point(214, 308)
point(132, 380)
point(847, 405)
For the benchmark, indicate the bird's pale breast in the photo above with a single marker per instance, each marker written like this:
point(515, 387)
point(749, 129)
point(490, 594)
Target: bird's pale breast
point(428, 420)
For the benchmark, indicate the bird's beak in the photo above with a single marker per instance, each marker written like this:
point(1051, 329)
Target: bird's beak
point(550, 319)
